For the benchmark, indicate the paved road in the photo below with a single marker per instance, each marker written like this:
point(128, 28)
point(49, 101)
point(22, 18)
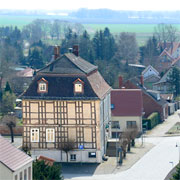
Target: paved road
point(155, 164)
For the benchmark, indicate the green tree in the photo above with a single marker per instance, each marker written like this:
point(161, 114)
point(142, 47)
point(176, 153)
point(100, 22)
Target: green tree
point(176, 175)
point(35, 59)
point(41, 170)
point(174, 80)
point(7, 102)
point(8, 88)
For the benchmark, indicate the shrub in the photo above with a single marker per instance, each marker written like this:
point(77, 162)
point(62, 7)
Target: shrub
point(43, 171)
point(152, 120)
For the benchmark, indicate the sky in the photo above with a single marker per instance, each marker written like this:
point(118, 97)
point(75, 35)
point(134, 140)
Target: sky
point(92, 4)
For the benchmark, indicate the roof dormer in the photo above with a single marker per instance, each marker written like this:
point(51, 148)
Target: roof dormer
point(78, 86)
point(42, 86)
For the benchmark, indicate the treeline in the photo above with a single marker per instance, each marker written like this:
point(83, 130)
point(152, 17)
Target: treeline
point(112, 53)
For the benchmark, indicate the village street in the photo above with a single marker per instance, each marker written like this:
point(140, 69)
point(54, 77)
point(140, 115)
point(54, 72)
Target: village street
point(154, 165)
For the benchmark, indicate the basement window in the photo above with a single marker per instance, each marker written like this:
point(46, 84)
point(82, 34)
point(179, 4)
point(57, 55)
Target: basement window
point(92, 155)
point(73, 157)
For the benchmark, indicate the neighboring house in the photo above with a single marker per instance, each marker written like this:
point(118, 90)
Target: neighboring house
point(22, 80)
point(163, 85)
point(126, 110)
point(68, 100)
point(152, 102)
point(14, 164)
point(149, 71)
point(169, 56)
point(150, 76)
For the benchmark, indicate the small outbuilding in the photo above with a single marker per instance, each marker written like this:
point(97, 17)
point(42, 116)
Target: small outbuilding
point(14, 164)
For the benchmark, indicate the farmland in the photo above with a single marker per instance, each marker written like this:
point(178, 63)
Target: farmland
point(143, 31)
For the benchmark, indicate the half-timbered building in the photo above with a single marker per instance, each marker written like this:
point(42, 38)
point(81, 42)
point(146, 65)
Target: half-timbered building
point(68, 101)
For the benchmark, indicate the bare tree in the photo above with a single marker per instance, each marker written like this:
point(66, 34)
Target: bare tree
point(67, 146)
point(127, 47)
point(131, 134)
point(10, 121)
point(165, 33)
point(123, 143)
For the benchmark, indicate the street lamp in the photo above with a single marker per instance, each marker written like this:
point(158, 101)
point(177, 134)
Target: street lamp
point(179, 150)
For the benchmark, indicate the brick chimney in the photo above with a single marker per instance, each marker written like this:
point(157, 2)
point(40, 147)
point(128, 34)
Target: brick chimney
point(56, 52)
point(76, 50)
point(120, 82)
point(142, 80)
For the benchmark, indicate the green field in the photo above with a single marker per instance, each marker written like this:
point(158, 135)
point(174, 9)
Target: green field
point(143, 31)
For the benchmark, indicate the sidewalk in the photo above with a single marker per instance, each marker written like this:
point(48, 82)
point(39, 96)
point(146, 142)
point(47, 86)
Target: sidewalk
point(107, 167)
point(161, 129)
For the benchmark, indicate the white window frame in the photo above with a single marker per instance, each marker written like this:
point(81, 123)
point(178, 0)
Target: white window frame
point(42, 86)
point(72, 157)
point(50, 135)
point(78, 87)
point(36, 133)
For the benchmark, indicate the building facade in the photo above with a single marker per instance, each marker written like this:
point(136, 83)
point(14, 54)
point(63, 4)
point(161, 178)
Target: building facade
point(126, 110)
point(67, 102)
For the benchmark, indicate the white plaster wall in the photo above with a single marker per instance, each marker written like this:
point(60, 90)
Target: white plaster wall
point(149, 73)
point(5, 173)
point(123, 119)
point(60, 156)
point(22, 170)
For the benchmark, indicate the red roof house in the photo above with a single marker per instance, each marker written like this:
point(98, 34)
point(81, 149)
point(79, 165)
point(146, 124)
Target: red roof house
point(126, 110)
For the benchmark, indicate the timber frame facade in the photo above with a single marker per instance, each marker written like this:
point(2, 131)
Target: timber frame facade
point(53, 118)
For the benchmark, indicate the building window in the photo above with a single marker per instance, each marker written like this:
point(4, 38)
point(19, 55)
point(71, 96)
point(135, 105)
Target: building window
point(78, 86)
point(20, 177)
point(29, 173)
point(116, 134)
point(115, 125)
point(112, 106)
point(35, 135)
point(25, 174)
point(16, 177)
point(131, 124)
point(42, 86)
point(50, 135)
point(73, 157)
point(92, 155)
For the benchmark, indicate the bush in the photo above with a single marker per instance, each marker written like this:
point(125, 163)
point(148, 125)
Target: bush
point(43, 171)
point(152, 120)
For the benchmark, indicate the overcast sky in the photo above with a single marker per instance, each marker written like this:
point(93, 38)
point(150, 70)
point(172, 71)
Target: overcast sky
point(92, 4)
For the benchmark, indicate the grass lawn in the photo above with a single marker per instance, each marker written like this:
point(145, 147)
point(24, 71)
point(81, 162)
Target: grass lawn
point(175, 129)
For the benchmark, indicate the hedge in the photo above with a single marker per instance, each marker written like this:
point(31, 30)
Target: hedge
point(151, 121)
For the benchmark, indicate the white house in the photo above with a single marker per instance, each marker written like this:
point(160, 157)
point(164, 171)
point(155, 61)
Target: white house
point(14, 164)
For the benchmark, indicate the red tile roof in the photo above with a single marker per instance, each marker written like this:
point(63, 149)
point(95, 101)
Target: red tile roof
point(127, 102)
point(12, 157)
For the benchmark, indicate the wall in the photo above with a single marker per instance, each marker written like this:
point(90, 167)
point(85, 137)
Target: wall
point(149, 73)
point(122, 121)
point(22, 170)
point(149, 104)
point(60, 156)
point(105, 114)
point(77, 120)
point(5, 173)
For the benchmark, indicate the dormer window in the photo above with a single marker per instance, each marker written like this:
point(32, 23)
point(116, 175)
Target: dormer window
point(78, 86)
point(42, 86)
